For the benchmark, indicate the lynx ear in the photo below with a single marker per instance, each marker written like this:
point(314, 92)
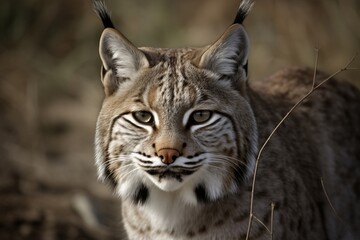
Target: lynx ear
point(121, 59)
point(228, 54)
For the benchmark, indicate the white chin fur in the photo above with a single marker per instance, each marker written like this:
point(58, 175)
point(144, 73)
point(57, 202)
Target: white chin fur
point(167, 184)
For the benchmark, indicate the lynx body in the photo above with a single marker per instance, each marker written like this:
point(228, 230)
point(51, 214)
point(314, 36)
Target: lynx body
point(180, 129)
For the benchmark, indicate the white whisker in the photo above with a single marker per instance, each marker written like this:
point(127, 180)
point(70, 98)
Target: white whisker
point(122, 177)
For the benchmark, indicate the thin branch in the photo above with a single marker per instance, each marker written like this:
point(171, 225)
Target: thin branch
point(263, 224)
point(272, 221)
point(312, 90)
point(270, 230)
point(353, 69)
point(315, 68)
point(328, 199)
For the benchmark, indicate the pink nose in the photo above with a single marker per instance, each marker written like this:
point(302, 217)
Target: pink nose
point(168, 155)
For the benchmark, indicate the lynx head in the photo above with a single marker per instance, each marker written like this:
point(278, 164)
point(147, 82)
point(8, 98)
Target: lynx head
point(175, 120)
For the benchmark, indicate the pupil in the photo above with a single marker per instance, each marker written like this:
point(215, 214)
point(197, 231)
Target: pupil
point(145, 116)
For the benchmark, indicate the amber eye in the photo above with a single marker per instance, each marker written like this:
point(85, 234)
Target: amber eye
point(143, 117)
point(201, 116)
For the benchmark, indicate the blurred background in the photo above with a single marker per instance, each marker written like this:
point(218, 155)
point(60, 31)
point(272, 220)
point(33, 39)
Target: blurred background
point(50, 91)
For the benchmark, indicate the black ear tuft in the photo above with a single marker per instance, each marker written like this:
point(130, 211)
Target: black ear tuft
point(103, 13)
point(243, 11)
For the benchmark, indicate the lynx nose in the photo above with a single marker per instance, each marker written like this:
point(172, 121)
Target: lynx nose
point(168, 155)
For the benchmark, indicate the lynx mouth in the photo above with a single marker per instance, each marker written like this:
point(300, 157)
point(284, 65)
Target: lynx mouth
point(171, 173)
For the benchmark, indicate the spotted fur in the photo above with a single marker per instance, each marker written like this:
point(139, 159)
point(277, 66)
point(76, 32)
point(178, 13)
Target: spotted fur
point(179, 130)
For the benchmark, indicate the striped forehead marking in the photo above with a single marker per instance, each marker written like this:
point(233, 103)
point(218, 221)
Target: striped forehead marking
point(174, 89)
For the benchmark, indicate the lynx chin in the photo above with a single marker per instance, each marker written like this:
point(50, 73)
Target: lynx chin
point(179, 131)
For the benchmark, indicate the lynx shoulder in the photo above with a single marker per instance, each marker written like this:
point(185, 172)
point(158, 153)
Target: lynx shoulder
point(179, 131)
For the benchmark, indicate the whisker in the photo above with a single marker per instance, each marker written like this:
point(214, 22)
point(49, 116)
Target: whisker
point(117, 159)
point(220, 168)
point(227, 157)
point(118, 170)
point(246, 166)
point(231, 162)
point(234, 161)
point(128, 173)
point(225, 172)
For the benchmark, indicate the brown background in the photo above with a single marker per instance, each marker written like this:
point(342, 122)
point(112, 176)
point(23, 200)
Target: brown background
point(50, 91)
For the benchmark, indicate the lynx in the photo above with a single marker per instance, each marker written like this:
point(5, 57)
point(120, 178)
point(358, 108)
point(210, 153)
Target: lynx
point(179, 131)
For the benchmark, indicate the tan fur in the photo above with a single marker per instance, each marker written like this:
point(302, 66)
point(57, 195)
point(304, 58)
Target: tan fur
point(204, 191)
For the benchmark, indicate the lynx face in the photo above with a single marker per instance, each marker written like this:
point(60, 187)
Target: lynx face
point(172, 119)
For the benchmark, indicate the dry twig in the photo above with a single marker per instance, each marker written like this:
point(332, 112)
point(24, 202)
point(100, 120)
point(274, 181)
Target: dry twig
point(311, 91)
point(272, 221)
point(328, 199)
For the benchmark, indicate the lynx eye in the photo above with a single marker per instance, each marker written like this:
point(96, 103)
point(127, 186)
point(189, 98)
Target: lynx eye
point(201, 116)
point(143, 117)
